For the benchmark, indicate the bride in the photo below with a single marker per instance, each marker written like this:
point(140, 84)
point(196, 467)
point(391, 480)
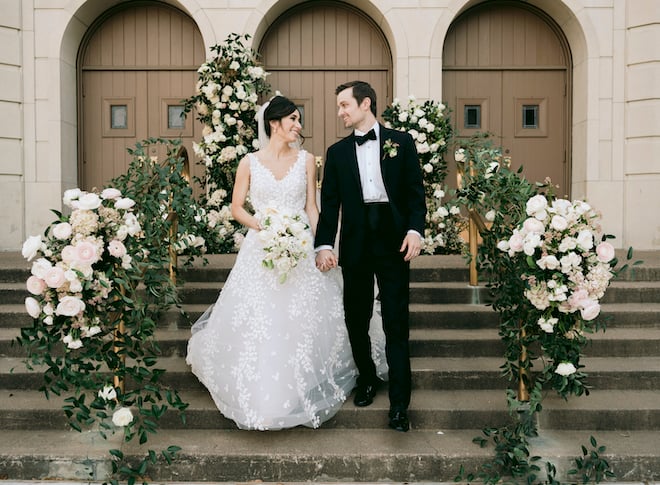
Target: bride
point(273, 351)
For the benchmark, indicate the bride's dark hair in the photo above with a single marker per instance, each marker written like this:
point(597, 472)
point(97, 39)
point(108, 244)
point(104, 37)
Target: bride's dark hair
point(278, 108)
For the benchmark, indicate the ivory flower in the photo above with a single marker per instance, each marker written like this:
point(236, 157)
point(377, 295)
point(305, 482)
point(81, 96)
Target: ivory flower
point(31, 247)
point(108, 393)
point(565, 369)
point(122, 417)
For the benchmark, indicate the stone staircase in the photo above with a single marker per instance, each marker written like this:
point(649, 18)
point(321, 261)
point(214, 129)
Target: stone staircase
point(457, 391)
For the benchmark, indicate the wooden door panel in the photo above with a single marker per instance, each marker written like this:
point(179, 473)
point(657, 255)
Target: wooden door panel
point(539, 148)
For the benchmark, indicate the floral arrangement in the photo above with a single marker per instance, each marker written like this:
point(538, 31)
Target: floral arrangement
point(88, 317)
point(286, 239)
point(70, 291)
point(228, 88)
point(428, 124)
point(565, 266)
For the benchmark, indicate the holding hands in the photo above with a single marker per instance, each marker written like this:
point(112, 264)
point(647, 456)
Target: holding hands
point(326, 260)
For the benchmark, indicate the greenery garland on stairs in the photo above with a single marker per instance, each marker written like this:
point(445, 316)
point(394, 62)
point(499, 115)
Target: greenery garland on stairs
point(100, 282)
point(545, 278)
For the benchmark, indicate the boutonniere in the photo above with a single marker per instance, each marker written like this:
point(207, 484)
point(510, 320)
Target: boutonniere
point(390, 149)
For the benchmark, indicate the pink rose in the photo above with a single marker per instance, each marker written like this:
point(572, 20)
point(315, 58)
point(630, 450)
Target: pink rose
point(116, 248)
point(516, 242)
point(590, 310)
point(70, 306)
point(32, 306)
point(54, 277)
point(86, 253)
point(35, 285)
point(605, 252)
point(68, 255)
point(577, 299)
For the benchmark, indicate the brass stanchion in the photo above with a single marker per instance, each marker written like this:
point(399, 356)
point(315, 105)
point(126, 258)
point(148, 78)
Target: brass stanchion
point(523, 375)
point(172, 217)
point(118, 336)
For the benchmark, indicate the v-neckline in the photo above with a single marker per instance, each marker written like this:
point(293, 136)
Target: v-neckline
point(288, 170)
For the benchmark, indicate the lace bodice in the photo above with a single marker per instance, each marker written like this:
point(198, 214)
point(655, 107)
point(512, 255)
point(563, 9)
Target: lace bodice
point(288, 194)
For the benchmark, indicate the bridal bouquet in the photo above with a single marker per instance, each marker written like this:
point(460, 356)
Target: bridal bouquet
point(286, 240)
point(565, 265)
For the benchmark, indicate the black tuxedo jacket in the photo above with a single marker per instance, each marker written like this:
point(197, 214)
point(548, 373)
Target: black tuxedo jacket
point(341, 192)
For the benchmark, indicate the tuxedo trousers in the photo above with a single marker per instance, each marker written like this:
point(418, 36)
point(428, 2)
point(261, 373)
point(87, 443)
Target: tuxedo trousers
point(380, 259)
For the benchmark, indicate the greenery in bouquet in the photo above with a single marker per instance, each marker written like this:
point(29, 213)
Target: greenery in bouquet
point(93, 327)
point(429, 125)
point(228, 88)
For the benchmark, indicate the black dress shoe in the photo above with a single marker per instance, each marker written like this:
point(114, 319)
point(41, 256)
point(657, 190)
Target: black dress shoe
point(364, 395)
point(399, 421)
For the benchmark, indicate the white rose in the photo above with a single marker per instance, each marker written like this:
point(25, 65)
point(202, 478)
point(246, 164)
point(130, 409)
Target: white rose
point(110, 193)
point(31, 247)
point(72, 343)
point(565, 369)
point(70, 195)
point(124, 203)
point(547, 325)
point(88, 201)
point(490, 216)
point(62, 231)
point(428, 168)
point(532, 224)
point(585, 239)
point(70, 306)
point(32, 306)
point(122, 417)
point(503, 245)
point(108, 393)
point(40, 267)
point(536, 206)
point(558, 223)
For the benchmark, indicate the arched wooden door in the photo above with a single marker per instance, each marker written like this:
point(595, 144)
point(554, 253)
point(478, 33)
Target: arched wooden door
point(506, 70)
point(136, 67)
point(312, 49)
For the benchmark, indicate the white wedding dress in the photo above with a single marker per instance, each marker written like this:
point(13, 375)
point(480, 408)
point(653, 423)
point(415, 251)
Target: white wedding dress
point(276, 355)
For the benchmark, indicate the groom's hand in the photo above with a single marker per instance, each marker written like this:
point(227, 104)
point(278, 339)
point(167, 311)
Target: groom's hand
point(412, 246)
point(326, 260)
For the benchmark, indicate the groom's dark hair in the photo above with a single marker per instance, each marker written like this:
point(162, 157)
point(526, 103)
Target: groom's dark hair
point(361, 90)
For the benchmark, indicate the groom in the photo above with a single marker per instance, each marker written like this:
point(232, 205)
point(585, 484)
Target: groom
point(374, 179)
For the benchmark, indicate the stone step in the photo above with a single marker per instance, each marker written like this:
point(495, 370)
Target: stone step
point(447, 315)
point(431, 373)
point(305, 455)
point(425, 342)
point(420, 292)
point(429, 409)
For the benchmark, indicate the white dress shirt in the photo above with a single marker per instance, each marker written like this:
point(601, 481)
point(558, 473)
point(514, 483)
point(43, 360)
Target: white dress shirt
point(371, 177)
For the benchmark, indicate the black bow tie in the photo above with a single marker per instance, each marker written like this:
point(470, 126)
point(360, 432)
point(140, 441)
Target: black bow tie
point(370, 135)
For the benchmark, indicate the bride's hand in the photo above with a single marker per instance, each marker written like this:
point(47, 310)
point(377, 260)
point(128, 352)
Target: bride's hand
point(326, 260)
